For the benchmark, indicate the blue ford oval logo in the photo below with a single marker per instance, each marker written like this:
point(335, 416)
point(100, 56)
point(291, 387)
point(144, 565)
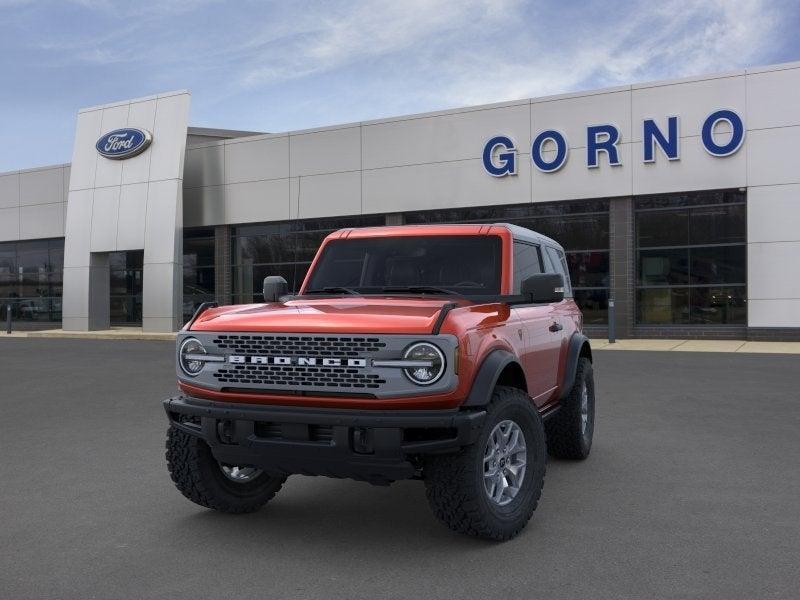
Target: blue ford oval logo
point(124, 143)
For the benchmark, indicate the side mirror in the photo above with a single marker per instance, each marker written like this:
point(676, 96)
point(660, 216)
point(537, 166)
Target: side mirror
point(544, 288)
point(275, 286)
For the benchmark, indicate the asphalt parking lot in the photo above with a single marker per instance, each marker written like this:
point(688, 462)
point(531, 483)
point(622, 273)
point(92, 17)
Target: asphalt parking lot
point(692, 491)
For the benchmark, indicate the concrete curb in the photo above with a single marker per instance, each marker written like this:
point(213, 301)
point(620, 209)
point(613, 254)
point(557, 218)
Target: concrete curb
point(121, 333)
point(737, 346)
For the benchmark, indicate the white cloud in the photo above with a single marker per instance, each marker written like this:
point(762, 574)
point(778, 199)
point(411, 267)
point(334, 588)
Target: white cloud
point(323, 39)
point(451, 52)
point(470, 52)
point(675, 39)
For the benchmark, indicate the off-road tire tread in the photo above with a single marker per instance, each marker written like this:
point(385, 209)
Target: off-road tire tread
point(184, 453)
point(563, 429)
point(450, 485)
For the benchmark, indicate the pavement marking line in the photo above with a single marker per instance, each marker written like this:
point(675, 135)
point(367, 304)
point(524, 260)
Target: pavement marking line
point(724, 346)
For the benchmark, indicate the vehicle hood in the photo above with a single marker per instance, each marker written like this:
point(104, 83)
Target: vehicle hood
point(331, 315)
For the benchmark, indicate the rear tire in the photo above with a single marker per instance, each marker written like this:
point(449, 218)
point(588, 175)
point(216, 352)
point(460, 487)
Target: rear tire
point(200, 478)
point(570, 431)
point(456, 484)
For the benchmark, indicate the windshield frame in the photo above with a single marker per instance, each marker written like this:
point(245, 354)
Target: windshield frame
point(503, 282)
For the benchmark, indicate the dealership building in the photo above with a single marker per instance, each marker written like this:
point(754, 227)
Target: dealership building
point(677, 200)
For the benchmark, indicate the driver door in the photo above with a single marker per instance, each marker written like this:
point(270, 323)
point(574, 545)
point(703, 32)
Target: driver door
point(541, 346)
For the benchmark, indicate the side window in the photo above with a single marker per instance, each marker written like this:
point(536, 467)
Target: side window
point(560, 266)
point(526, 263)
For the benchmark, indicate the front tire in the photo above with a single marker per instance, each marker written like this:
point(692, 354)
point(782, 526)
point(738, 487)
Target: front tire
point(475, 491)
point(204, 481)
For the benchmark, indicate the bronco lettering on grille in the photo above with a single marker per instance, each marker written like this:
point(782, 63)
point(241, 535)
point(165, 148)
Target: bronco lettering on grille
point(300, 361)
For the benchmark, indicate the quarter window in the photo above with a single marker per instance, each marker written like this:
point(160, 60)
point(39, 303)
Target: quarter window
point(527, 262)
point(560, 266)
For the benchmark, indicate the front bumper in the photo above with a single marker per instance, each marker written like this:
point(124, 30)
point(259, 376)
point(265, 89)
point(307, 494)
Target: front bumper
point(370, 445)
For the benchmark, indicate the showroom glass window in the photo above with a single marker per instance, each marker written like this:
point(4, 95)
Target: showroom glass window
point(126, 287)
point(691, 259)
point(31, 278)
point(581, 227)
point(284, 249)
point(198, 269)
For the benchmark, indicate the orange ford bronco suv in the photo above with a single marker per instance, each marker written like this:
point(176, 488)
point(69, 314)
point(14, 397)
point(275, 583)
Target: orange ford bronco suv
point(450, 353)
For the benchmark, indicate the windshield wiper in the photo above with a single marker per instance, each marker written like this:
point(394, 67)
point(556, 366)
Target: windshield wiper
point(334, 290)
point(419, 289)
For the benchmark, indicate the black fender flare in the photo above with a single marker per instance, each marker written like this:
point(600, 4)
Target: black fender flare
point(577, 343)
point(488, 373)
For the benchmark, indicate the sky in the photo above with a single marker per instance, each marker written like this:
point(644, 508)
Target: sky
point(284, 65)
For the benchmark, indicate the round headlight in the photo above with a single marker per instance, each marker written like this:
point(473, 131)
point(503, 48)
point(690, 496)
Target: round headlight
point(433, 359)
point(190, 348)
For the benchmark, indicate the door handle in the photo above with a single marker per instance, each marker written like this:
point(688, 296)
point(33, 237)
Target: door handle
point(556, 327)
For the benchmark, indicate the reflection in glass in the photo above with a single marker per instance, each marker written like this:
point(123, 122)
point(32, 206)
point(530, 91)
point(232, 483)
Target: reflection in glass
point(663, 306)
point(719, 306)
point(284, 249)
point(31, 280)
point(662, 228)
point(594, 305)
point(664, 267)
point(126, 271)
point(719, 264)
point(687, 246)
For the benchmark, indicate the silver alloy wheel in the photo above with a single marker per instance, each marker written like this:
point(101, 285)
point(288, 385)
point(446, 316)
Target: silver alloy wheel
point(504, 460)
point(240, 474)
point(584, 408)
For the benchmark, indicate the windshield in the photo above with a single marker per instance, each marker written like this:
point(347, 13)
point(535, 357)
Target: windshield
point(464, 264)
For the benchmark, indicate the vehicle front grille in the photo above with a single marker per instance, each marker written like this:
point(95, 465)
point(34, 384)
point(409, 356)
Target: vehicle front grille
point(299, 345)
point(295, 376)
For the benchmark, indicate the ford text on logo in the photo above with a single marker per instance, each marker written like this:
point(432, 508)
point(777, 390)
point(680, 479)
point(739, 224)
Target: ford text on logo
point(500, 152)
point(301, 361)
point(124, 143)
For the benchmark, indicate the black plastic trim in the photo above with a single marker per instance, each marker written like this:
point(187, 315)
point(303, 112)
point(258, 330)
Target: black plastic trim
point(576, 343)
point(200, 310)
point(442, 316)
point(388, 458)
point(486, 379)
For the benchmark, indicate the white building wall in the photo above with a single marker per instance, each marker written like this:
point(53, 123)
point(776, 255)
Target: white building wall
point(773, 197)
point(426, 161)
point(33, 203)
point(132, 204)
